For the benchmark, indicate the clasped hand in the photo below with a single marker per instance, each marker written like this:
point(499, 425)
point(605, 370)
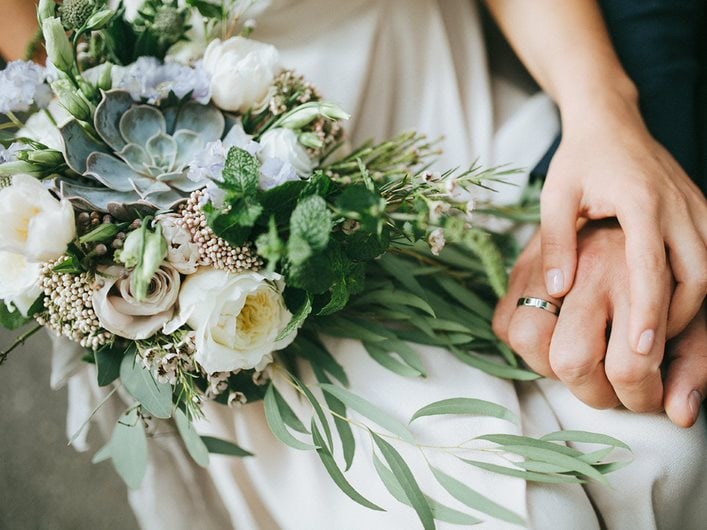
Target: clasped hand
point(588, 347)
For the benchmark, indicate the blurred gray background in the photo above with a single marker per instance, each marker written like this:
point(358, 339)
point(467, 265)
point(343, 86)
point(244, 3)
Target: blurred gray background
point(45, 484)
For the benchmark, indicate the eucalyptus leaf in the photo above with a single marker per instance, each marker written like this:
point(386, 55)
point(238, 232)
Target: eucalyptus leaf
point(273, 416)
point(525, 475)
point(195, 445)
point(383, 357)
point(129, 448)
point(585, 437)
point(317, 410)
point(514, 439)
point(103, 454)
point(493, 368)
point(218, 446)
point(108, 361)
point(155, 397)
point(439, 510)
point(336, 474)
point(370, 411)
point(288, 415)
point(407, 482)
point(474, 499)
point(466, 406)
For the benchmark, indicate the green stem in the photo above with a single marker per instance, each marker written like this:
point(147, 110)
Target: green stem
point(15, 120)
point(20, 340)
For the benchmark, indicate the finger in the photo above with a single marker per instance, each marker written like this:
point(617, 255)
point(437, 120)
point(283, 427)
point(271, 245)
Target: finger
point(519, 278)
point(636, 378)
point(686, 380)
point(688, 260)
point(649, 279)
point(530, 329)
point(579, 346)
point(558, 226)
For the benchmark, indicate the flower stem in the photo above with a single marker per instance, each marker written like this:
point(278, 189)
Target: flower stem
point(20, 340)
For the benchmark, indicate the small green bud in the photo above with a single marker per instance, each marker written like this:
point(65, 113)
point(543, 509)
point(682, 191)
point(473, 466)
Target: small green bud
point(10, 169)
point(99, 20)
point(102, 232)
point(72, 100)
point(105, 80)
point(305, 114)
point(75, 13)
point(59, 50)
point(144, 250)
point(43, 157)
point(46, 9)
point(310, 139)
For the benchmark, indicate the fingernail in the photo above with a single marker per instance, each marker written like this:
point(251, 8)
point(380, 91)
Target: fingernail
point(694, 401)
point(645, 341)
point(555, 281)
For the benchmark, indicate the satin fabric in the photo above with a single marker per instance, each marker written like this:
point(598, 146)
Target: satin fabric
point(395, 65)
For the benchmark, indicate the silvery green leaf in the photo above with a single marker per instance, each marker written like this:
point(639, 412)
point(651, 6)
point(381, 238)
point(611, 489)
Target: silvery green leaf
point(370, 411)
point(525, 475)
point(386, 359)
point(407, 482)
point(585, 437)
point(155, 397)
point(218, 446)
point(103, 454)
point(298, 318)
point(319, 356)
point(288, 415)
point(317, 410)
point(129, 449)
point(474, 499)
point(195, 445)
point(514, 439)
point(108, 361)
point(273, 416)
point(493, 368)
point(336, 474)
point(467, 406)
point(439, 510)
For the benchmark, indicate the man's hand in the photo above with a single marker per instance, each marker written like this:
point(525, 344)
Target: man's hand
point(587, 346)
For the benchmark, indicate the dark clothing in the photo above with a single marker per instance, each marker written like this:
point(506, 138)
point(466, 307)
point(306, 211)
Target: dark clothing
point(662, 45)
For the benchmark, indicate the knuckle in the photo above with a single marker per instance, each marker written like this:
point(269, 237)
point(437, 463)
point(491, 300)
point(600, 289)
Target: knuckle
point(525, 338)
point(571, 370)
point(626, 375)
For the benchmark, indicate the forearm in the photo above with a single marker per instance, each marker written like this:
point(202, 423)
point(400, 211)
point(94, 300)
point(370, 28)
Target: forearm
point(18, 25)
point(566, 47)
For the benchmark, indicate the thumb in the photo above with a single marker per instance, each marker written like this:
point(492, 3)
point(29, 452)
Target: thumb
point(558, 234)
point(686, 381)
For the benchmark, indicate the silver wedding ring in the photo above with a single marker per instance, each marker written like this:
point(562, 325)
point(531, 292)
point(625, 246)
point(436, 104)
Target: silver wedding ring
point(529, 301)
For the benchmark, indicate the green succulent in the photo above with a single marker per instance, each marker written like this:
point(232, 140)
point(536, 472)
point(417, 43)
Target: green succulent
point(141, 162)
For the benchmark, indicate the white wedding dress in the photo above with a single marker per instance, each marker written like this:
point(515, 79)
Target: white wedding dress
point(395, 65)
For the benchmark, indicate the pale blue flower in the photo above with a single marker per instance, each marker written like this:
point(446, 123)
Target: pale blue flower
point(209, 163)
point(21, 85)
point(148, 79)
point(274, 172)
point(10, 154)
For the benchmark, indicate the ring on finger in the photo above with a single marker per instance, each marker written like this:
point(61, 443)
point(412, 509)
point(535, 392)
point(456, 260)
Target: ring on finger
point(540, 303)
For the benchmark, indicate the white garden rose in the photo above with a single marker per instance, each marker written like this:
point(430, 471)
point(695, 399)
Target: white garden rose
point(119, 311)
point(34, 223)
point(182, 252)
point(237, 318)
point(242, 72)
point(282, 144)
point(19, 282)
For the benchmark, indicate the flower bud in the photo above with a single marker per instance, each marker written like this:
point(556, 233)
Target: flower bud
point(99, 20)
point(46, 9)
point(45, 157)
point(305, 114)
point(311, 140)
point(103, 232)
point(72, 100)
point(145, 250)
point(59, 50)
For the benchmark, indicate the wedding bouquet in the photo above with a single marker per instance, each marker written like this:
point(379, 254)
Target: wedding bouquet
point(191, 214)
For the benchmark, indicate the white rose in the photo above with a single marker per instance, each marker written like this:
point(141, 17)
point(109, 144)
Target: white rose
point(19, 282)
point(118, 310)
point(282, 143)
point(182, 252)
point(34, 223)
point(237, 318)
point(242, 71)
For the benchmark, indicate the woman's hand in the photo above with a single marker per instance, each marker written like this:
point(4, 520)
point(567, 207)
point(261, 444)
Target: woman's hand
point(587, 348)
point(608, 165)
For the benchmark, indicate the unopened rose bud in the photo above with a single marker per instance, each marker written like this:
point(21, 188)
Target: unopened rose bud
point(311, 140)
point(305, 114)
point(99, 20)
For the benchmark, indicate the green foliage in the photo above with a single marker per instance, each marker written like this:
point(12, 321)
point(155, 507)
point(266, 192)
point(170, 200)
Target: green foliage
point(155, 397)
point(241, 173)
point(108, 361)
point(192, 441)
point(218, 446)
point(127, 448)
point(310, 229)
point(12, 319)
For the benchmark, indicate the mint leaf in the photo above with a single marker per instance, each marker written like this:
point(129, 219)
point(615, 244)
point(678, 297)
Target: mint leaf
point(311, 221)
point(241, 173)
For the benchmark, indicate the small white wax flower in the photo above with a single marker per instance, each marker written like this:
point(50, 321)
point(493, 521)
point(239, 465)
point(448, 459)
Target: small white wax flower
point(242, 71)
point(436, 241)
point(34, 223)
point(19, 282)
point(236, 317)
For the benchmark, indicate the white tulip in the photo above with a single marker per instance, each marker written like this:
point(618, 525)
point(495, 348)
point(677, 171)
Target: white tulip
point(283, 144)
point(19, 282)
point(242, 71)
point(34, 223)
point(237, 318)
point(119, 311)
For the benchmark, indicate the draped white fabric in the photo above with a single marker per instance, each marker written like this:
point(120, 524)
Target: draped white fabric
point(395, 65)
